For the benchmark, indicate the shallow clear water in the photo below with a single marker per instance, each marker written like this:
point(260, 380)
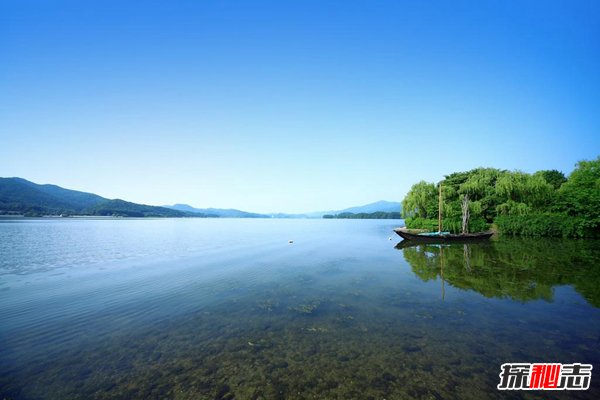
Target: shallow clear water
point(227, 308)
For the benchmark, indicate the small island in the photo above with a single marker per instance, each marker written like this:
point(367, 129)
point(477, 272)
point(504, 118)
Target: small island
point(545, 203)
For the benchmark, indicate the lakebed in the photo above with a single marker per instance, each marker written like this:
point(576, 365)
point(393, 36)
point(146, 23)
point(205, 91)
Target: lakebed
point(229, 308)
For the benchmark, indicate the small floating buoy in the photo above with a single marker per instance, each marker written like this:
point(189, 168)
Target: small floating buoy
point(290, 241)
point(389, 238)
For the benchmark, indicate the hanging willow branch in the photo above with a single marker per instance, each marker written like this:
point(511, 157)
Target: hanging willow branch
point(465, 213)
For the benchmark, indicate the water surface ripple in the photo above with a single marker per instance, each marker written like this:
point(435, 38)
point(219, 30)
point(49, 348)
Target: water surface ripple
point(228, 308)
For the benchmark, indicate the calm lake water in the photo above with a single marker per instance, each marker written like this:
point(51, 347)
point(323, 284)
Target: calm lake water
point(227, 308)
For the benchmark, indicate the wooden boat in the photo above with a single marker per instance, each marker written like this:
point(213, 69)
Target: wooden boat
point(445, 237)
point(442, 237)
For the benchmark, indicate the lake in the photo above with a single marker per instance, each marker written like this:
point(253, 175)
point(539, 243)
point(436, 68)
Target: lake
point(229, 308)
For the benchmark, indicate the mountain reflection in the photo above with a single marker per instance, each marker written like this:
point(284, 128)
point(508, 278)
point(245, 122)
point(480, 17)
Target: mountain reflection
point(516, 268)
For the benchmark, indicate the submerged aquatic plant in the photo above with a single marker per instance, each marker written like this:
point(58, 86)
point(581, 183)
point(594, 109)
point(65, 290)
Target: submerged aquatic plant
point(307, 308)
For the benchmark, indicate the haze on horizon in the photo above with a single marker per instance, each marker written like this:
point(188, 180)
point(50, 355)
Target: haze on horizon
point(292, 106)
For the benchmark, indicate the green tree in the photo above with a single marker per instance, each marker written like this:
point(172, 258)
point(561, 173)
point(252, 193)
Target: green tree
point(480, 186)
point(521, 193)
point(580, 194)
point(539, 204)
point(420, 201)
point(553, 177)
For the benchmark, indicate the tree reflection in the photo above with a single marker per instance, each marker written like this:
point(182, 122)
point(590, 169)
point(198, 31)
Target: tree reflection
point(517, 268)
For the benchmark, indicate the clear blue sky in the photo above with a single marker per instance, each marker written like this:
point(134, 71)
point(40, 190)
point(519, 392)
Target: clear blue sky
point(292, 106)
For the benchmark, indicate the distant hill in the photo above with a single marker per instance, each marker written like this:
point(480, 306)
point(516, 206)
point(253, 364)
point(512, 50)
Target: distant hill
point(20, 196)
point(378, 206)
point(373, 215)
point(128, 209)
point(217, 212)
point(382, 205)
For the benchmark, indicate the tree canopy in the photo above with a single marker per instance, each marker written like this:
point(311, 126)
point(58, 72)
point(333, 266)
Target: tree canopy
point(511, 199)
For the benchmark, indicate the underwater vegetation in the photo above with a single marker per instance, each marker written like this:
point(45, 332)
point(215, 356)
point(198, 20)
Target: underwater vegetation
point(424, 322)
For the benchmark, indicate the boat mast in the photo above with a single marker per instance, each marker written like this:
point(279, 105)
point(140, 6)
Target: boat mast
point(440, 210)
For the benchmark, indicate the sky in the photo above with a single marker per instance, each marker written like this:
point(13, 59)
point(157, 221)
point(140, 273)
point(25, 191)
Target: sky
point(292, 106)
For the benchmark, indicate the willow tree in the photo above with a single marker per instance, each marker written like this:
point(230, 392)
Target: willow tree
point(519, 203)
point(420, 201)
point(478, 186)
point(520, 193)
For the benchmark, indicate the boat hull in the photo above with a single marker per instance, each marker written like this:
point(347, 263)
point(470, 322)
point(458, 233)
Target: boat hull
point(468, 237)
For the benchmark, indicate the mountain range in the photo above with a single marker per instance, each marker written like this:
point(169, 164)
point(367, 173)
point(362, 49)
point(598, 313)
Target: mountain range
point(217, 212)
point(379, 206)
point(19, 196)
